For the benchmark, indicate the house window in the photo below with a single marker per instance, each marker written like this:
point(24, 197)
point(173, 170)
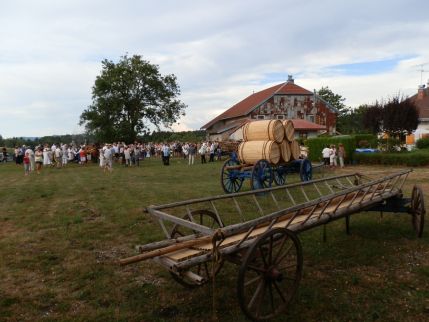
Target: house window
point(280, 117)
point(261, 117)
point(310, 118)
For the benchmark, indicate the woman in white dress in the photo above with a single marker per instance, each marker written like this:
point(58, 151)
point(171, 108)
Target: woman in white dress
point(46, 159)
point(102, 159)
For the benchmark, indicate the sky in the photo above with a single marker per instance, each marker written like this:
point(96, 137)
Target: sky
point(221, 52)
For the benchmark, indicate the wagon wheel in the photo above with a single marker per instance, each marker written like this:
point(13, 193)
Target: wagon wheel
point(279, 175)
point(269, 275)
point(418, 210)
point(262, 175)
point(306, 170)
point(230, 178)
point(208, 219)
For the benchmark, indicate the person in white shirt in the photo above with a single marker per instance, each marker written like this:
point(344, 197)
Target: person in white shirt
point(64, 153)
point(165, 151)
point(46, 158)
point(127, 156)
point(30, 154)
point(108, 156)
point(333, 156)
point(212, 152)
point(58, 157)
point(326, 153)
point(202, 151)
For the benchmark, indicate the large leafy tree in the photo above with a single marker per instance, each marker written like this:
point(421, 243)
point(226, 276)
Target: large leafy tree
point(128, 96)
point(336, 101)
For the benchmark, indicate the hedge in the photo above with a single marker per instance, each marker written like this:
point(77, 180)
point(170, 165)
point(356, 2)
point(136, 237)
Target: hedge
point(422, 143)
point(411, 159)
point(350, 143)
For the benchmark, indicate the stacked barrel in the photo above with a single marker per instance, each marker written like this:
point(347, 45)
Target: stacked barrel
point(271, 140)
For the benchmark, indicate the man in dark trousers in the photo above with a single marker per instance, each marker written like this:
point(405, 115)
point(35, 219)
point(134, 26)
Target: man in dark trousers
point(166, 154)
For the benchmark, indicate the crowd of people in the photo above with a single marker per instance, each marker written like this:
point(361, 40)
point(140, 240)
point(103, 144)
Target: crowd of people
point(128, 155)
point(330, 155)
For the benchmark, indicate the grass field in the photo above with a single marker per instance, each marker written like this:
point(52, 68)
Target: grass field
point(62, 232)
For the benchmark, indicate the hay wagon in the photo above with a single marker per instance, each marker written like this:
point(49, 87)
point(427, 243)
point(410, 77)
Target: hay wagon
point(258, 230)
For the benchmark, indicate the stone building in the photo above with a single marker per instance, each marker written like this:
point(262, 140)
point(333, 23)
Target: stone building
point(421, 99)
point(309, 112)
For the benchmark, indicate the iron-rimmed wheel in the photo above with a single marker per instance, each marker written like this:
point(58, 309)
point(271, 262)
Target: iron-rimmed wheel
point(270, 274)
point(279, 173)
point(306, 170)
point(262, 175)
point(208, 219)
point(230, 178)
point(418, 210)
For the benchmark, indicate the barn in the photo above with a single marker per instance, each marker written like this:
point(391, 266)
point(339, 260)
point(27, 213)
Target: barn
point(310, 114)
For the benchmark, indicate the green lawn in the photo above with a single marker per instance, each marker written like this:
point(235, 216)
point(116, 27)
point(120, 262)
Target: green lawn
point(62, 232)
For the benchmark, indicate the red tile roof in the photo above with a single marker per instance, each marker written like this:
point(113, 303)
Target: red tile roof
point(249, 103)
point(302, 125)
point(233, 125)
point(422, 103)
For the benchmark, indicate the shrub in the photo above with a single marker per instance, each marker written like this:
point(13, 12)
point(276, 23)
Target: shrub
point(363, 144)
point(389, 145)
point(411, 159)
point(422, 143)
point(316, 145)
point(371, 140)
point(350, 142)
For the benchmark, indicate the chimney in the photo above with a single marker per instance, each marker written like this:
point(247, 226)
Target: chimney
point(290, 79)
point(421, 92)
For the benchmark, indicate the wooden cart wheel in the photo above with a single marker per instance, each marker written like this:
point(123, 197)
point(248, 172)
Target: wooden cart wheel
point(418, 210)
point(306, 170)
point(279, 173)
point(230, 178)
point(262, 175)
point(208, 219)
point(269, 275)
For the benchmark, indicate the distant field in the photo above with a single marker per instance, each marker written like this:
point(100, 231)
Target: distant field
point(62, 232)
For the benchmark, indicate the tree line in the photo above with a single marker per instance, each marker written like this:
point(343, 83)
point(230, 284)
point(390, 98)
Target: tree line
point(79, 139)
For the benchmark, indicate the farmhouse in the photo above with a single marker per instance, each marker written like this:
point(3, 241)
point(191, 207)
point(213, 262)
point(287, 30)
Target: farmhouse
point(310, 114)
point(421, 99)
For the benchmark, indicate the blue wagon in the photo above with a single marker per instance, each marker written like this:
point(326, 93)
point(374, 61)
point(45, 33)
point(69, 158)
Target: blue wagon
point(261, 174)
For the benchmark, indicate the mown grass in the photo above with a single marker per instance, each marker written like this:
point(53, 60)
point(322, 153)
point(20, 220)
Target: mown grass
point(62, 232)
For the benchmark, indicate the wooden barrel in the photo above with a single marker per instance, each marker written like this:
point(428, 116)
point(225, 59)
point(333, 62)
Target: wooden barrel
point(295, 150)
point(266, 130)
point(285, 151)
point(251, 151)
point(289, 130)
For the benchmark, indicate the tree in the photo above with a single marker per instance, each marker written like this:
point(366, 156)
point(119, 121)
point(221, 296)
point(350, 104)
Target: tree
point(336, 101)
point(373, 117)
point(127, 97)
point(400, 116)
point(352, 120)
point(1, 140)
point(397, 117)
